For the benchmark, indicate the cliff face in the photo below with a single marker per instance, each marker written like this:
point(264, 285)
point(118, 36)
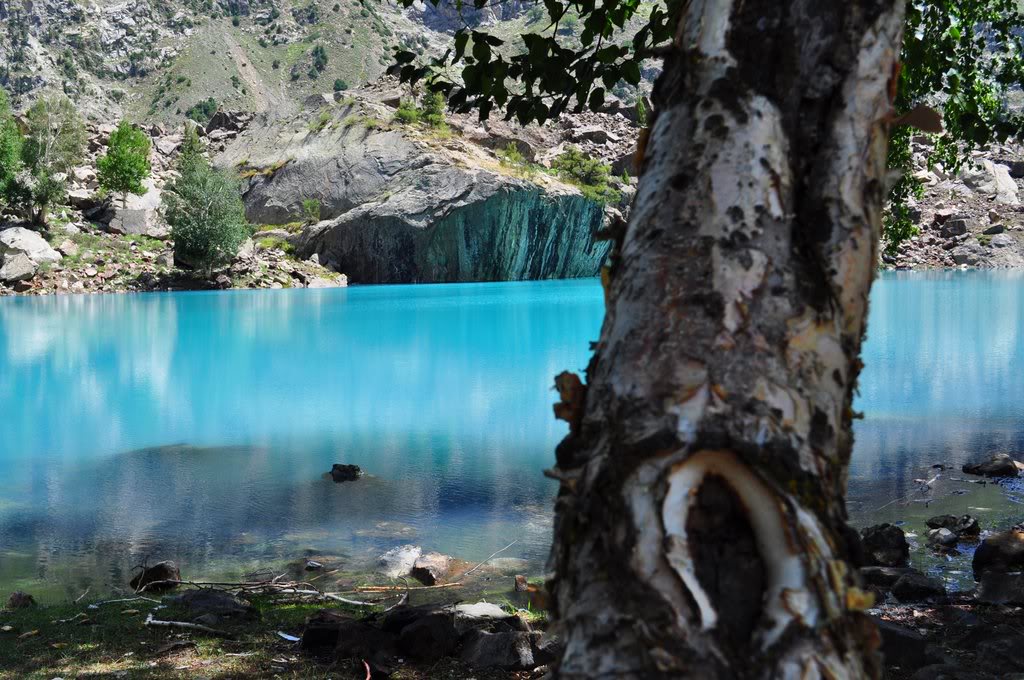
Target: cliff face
point(402, 205)
point(494, 231)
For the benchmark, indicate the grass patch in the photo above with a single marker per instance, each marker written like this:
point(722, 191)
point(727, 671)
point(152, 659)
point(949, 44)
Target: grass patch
point(275, 243)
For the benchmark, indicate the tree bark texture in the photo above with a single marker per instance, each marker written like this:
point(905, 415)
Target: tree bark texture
point(701, 523)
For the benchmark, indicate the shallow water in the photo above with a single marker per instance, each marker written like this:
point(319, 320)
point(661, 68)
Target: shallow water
point(197, 426)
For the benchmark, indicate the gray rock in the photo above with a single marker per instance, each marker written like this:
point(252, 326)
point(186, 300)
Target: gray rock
point(320, 282)
point(1002, 240)
point(904, 647)
point(885, 545)
point(999, 465)
point(214, 603)
point(953, 227)
point(431, 568)
point(1001, 552)
point(68, 248)
point(991, 179)
point(480, 614)
point(883, 577)
point(139, 215)
point(994, 229)
point(20, 240)
point(398, 562)
point(915, 587)
point(942, 538)
point(17, 267)
point(997, 587)
point(152, 578)
point(504, 651)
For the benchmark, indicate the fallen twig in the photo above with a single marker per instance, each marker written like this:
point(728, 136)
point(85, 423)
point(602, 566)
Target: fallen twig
point(393, 589)
point(150, 621)
point(401, 601)
point(97, 605)
point(492, 556)
point(79, 598)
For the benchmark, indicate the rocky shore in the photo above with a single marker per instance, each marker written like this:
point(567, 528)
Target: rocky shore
point(974, 218)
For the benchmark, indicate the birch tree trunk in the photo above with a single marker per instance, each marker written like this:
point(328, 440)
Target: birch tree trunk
point(701, 523)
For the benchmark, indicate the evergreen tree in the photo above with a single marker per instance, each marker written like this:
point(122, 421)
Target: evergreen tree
point(126, 162)
point(10, 152)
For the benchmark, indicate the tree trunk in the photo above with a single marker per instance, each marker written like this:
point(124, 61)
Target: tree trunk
point(701, 522)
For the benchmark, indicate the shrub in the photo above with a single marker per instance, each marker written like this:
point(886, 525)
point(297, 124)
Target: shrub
point(589, 174)
point(407, 112)
point(207, 217)
point(340, 85)
point(54, 144)
point(311, 210)
point(276, 64)
point(203, 111)
point(641, 112)
point(319, 58)
point(433, 108)
point(10, 151)
point(126, 162)
point(511, 157)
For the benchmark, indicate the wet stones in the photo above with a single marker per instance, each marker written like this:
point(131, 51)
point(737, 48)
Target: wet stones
point(211, 606)
point(999, 465)
point(399, 561)
point(885, 545)
point(916, 587)
point(155, 578)
point(965, 525)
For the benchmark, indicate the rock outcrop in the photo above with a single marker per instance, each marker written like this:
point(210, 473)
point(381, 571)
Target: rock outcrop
point(401, 205)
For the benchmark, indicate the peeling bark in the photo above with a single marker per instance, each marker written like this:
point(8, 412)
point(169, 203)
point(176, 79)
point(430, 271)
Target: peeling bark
point(701, 523)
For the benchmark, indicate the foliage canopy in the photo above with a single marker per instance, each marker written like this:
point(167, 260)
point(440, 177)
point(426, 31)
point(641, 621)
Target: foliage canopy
point(126, 162)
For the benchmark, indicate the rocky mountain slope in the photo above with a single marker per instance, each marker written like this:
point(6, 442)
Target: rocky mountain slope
point(974, 218)
point(153, 60)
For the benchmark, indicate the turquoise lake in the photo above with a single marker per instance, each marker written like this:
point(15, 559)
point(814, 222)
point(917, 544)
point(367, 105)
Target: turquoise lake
point(197, 426)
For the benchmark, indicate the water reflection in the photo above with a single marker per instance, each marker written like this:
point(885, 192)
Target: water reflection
point(198, 426)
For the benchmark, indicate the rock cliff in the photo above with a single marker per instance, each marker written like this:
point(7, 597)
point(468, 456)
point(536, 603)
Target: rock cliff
point(403, 204)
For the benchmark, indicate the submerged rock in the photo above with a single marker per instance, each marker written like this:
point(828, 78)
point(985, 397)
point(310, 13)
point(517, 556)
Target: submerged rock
point(161, 571)
point(885, 545)
point(942, 539)
point(345, 473)
point(999, 465)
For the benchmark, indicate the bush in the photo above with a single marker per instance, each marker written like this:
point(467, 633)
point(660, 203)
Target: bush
point(126, 162)
point(589, 174)
point(407, 112)
point(55, 143)
point(206, 214)
point(10, 151)
point(319, 58)
point(511, 157)
point(433, 109)
point(311, 210)
point(203, 111)
point(340, 85)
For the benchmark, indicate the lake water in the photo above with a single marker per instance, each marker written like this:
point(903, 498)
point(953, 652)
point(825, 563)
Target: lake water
point(197, 426)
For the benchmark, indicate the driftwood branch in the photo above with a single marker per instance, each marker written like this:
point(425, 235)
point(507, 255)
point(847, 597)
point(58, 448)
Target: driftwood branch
point(97, 605)
point(150, 621)
point(491, 557)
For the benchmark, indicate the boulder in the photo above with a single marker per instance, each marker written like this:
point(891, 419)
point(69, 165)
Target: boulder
point(885, 545)
point(965, 525)
point(1002, 654)
point(942, 539)
point(904, 647)
point(68, 248)
point(997, 587)
point(16, 268)
point(20, 600)
point(398, 562)
point(215, 605)
point(994, 229)
point(431, 568)
point(969, 254)
point(883, 577)
point(20, 240)
point(1001, 552)
point(429, 638)
point(1002, 241)
point(82, 199)
point(504, 651)
point(999, 465)
point(159, 572)
point(321, 282)
point(953, 227)
point(345, 473)
point(916, 587)
point(139, 215)
point(991, 179)
point(486, 614)
point(593, 133)
point(950, 672)
point(335, 632)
